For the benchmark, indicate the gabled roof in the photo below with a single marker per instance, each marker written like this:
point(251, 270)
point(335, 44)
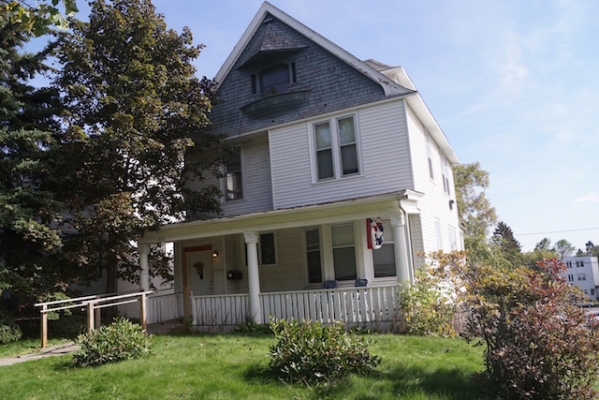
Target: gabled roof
point(390, 87)
point(393, 80)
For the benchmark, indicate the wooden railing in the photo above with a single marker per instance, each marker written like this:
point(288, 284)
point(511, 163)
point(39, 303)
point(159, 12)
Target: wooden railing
point(164, 308)
point(93, 305)
point(353, 306)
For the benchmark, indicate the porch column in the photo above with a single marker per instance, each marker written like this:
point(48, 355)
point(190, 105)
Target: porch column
point(398, 223)
point(251, 241)
point(144, 273)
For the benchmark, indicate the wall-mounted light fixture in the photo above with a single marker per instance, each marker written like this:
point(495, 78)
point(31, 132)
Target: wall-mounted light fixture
point(451, 202)
point(214, 254)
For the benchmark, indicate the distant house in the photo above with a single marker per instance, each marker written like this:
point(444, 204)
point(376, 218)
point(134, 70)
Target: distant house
point(328, 146)
point(584, 273)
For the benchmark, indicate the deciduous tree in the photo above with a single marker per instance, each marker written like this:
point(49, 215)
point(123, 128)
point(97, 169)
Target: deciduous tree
point(134, 106)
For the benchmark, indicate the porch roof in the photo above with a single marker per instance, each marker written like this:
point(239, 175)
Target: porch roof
point(309, 215)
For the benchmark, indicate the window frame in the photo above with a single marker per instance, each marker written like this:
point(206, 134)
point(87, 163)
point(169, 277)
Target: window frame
point(225, 178)
point(336, 148)
point(445, 174)
point(257, 78)
point(306, 250)
point(431, 172)
point(388, 242)
point(353, 245)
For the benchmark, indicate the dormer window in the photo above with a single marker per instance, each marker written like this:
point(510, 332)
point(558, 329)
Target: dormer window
point(274, 80)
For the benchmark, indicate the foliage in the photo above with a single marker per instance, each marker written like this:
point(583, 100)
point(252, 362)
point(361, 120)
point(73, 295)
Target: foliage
point(475, 210)
point(251, 328)
point(564, 248)
point(509, 248)
point(310, 352)
point(121, 340)
point(133, 106)
point(9, 332)
point(429, 306)
point(539, 342)
point(36, 20)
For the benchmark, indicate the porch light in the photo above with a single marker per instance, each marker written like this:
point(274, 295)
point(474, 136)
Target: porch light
point(214, 254)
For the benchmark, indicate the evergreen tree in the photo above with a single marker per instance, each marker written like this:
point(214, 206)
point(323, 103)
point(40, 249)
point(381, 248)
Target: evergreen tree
point(30, 235)
point(134, 106)
point(509, 247)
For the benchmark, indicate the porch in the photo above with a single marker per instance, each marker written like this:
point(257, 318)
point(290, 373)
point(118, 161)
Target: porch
point(373, 307)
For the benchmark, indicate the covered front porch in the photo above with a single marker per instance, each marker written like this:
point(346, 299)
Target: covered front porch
point(309, 263)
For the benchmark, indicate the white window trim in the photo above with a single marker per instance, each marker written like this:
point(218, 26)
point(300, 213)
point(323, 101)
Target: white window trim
point(439, 234)
point(336, 148)
point(223, 180)
point(386, 242)
point(429, 154)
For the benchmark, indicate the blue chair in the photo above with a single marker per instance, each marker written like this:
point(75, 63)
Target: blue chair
point(361, 282)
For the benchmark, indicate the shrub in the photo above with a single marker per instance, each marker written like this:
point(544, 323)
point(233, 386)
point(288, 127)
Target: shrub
point(252, 329)
point(9, 332)
point(312, 353)
point(539, 342)
point(121, 340)
point(429, 305)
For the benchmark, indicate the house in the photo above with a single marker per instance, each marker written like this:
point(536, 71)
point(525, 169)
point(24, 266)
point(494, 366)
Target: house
point(584, 273)
point(332, 152)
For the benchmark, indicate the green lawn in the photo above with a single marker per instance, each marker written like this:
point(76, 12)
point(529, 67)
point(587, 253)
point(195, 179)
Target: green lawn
point(236, 367)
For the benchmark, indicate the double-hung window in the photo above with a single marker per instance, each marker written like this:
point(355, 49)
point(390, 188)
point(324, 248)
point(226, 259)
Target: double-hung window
point(429, 157)
point(445, 175)
point(274, 80)
point(233, 183)
point(267, 249)
point(313, 256)
point(344, 252)
point(452, 239)
point(336, 148)
point(384, 258)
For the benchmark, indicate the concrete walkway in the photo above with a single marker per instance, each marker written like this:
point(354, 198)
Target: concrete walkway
point(70, 347)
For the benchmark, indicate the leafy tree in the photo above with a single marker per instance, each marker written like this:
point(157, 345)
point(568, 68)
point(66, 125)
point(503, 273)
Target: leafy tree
point(133, 107)
point(36, 19)
point(476, 212)
point(564, 248)
point(544, 245)
point(509, 247)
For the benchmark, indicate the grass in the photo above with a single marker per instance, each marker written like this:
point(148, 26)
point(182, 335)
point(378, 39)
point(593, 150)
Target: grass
point(27, 346)
point(234, 366)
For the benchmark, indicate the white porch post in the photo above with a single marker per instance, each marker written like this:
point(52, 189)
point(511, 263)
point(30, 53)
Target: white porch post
point(144, 273)
point(251, 241)
point(398, 222)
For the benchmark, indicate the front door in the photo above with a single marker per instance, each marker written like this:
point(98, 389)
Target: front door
point(199, 266)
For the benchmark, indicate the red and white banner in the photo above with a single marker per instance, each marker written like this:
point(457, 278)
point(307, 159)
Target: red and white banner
point(375, 233)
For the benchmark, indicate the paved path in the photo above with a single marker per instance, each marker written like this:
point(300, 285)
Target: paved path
point(66, 348)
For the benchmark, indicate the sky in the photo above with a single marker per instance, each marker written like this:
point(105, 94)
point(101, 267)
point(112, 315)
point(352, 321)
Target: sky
point(513, 84)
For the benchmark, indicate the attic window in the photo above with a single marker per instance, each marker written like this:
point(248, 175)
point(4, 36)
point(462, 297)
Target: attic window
point(274, 80)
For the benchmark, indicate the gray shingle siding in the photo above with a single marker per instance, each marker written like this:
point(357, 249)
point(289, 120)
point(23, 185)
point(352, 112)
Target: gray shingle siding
point(331, 84)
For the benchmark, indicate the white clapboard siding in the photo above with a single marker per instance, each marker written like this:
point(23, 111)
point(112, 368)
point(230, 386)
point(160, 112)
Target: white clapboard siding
point(435, 205)
point(384, 155)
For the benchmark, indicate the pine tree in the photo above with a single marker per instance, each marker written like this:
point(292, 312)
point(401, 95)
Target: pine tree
point(509, 247)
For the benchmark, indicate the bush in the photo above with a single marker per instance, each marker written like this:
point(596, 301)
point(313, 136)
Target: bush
point(539, 342)
point(9, 332)
point(429, 305)
point(121, 340)
point(312, 353)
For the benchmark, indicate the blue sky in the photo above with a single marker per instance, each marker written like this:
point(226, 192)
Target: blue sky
point(514, 85)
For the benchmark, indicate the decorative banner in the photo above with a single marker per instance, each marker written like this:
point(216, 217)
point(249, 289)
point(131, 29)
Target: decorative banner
point(375, 233)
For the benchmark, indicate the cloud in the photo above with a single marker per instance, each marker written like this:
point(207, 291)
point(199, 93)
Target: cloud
point(588, 198)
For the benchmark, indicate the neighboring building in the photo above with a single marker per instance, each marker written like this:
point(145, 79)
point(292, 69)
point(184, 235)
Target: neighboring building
point(326, 143)
point(584, 273)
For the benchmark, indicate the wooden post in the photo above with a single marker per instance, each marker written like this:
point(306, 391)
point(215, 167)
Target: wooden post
point(143, 311)
point(44, 326)
point(97, 318)
point(90, 316)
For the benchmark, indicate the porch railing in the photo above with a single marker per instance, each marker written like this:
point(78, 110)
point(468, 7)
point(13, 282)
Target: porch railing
point(353, 306)
point(164, 308)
